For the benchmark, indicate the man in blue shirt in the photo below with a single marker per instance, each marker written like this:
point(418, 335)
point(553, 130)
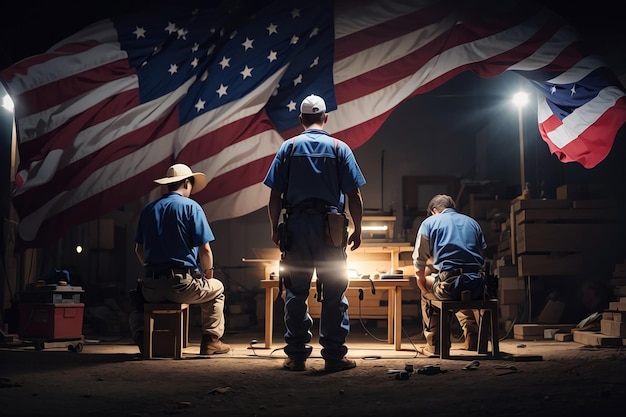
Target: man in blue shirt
point(455, 244)
point(172, 243)
point(309, 177)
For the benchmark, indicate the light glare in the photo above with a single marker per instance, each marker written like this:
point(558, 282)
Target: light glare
point(7, 103)
point(520, 98)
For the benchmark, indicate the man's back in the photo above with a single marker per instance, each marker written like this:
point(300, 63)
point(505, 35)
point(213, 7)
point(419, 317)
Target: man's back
point(308, 179)
point(456, 240)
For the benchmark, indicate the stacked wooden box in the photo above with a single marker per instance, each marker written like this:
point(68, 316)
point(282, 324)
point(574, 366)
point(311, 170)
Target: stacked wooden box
point(613, 321)
point(553, 237)
point(511, 290)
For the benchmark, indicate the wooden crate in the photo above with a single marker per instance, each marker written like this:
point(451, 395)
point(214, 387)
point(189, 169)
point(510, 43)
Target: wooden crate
point(550, 264)
point(555, 237)
point(548, 237)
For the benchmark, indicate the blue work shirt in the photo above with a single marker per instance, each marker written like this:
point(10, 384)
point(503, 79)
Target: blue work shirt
point(316, 173)
point(170, 230)
point(454, 240)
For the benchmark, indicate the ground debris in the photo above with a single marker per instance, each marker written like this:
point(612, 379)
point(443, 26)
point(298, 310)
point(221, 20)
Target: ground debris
point(219, 390)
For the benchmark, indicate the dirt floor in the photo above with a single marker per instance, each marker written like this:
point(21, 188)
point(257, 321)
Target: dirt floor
point(109, 377)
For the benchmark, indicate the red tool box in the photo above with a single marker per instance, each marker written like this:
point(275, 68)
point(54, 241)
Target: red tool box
point(52, 313)
point(51, 321)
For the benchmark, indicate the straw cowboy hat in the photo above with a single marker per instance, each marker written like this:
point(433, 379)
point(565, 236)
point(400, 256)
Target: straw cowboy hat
point(179, 172)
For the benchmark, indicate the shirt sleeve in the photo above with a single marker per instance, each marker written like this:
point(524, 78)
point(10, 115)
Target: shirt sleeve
point(202, 231)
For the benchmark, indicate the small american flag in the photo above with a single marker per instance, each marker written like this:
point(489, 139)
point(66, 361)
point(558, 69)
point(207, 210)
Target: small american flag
point(104, 112)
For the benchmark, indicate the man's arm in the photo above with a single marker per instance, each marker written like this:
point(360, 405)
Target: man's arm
point(355, 204)
point(421, 257)
point(273, 209)
point(421, 280)
point(139, 253)
point(205, 254)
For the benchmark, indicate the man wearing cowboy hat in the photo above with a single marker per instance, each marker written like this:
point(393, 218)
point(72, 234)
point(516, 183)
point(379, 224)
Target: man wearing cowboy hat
point(173, 245)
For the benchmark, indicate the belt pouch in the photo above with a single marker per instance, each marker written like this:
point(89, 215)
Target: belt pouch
point(336, 229)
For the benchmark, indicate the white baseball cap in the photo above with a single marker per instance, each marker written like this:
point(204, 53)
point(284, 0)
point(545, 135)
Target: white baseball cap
point(312, 105)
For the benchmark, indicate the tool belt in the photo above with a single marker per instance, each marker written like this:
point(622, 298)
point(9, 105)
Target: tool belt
point(336, 229)
point(444, 275)
point(169, 273)
point(311, 205)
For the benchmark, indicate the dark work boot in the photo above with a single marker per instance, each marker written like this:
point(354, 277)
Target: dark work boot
point(212, 345)
point(337, 365)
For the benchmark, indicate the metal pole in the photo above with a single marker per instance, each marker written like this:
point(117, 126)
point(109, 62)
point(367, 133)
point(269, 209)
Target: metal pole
point(521, 149)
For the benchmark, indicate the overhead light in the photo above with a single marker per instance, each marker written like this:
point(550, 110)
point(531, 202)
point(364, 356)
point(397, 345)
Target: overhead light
point(520, 98)
point(7, 103)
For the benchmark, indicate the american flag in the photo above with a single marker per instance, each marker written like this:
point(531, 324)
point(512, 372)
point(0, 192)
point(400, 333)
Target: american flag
point(104, 112)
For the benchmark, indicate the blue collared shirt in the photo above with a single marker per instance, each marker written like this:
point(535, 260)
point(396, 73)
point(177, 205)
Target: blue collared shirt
point(170, 230)
point(312, 171)
point(452, 239)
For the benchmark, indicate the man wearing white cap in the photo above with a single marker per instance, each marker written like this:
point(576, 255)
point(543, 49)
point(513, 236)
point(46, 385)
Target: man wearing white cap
point(172, 243)
point(309, 178)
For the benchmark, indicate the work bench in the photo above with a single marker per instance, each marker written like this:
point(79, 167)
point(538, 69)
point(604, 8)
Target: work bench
point(394, 304)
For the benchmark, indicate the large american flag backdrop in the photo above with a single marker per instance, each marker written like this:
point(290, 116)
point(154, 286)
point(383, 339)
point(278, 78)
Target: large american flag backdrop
point(104, 112)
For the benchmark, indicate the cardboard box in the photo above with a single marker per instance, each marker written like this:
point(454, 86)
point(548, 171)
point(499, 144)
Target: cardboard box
point(51, 321)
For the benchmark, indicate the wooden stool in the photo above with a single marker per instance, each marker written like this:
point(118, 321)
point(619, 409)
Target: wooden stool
point(166, 330)
point(488, 318)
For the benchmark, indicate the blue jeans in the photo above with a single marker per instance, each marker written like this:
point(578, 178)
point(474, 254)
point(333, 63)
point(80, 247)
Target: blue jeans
point(308, 253)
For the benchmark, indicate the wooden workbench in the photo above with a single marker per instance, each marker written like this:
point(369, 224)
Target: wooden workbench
point(394, 305)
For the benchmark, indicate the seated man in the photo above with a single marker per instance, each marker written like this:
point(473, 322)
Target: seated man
point(455, 242)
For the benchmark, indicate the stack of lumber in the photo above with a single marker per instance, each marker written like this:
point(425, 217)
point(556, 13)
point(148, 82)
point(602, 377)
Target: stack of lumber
point(612, 331)
point(553, 237)
point(511, 291)
point(562, 237)
point(531, 331)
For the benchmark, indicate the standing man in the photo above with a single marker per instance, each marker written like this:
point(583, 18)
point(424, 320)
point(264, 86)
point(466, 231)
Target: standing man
point(173, 245)
point(456, 244)
point(309, 178)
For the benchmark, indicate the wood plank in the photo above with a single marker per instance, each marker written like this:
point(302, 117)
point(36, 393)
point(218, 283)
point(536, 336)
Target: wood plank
point(582, 191)
point(594, 204)
point(536, 330)
point(555, 237)
point(595, 338)
point(549, 264)
point(566, 215)
point(519, 204)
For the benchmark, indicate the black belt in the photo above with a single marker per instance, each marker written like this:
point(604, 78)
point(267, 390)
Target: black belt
point(168, 273)
point(319, 206)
